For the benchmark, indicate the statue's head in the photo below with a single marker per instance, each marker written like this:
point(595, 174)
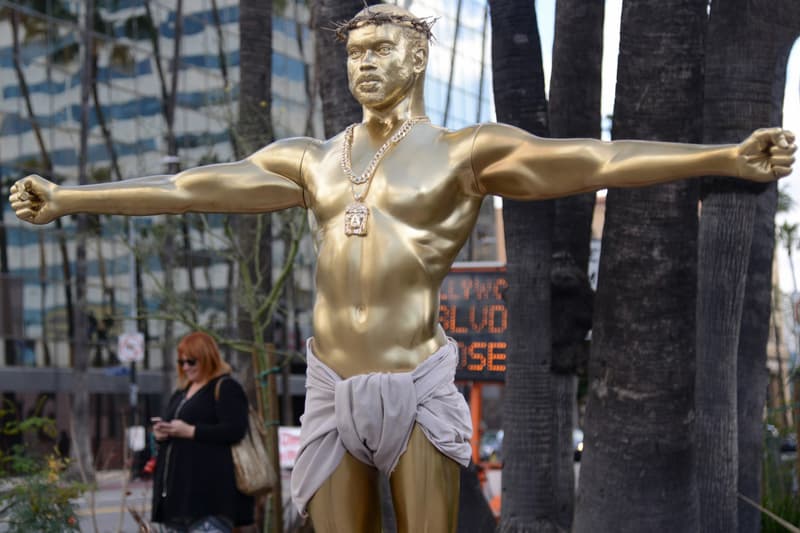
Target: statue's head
point(387, 53)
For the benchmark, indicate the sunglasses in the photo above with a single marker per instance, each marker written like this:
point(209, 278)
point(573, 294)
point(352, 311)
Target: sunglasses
point(190, 362)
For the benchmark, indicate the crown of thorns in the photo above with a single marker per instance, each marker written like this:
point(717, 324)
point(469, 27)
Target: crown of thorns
point(421, 25)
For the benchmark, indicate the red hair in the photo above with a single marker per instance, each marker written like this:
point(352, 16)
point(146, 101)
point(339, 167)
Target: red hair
point(201, 347)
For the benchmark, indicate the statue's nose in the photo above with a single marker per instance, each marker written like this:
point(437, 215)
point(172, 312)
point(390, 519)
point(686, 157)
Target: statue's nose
point(368, 60)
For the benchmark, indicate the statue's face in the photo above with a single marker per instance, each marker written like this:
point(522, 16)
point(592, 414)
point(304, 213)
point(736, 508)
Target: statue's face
point(381, 65)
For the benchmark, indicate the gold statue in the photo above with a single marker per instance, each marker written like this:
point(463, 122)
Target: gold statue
point(387, 237)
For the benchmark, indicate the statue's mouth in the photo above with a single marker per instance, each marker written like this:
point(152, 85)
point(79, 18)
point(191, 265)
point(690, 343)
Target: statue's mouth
point(368, 79)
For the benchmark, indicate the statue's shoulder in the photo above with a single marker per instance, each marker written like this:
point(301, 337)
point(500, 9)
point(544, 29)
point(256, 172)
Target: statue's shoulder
point(485, 129)
point(461, 136)
point(497, 135)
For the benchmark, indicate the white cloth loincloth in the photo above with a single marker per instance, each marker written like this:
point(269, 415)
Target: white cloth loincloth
point(372, 415)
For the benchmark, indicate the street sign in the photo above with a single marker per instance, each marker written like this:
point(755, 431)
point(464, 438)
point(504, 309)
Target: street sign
point(130, 347)
point(288, 445)
point(136, 438)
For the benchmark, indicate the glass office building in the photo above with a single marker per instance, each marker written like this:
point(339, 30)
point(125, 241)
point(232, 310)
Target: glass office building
point(134, 53)
point(40, 62)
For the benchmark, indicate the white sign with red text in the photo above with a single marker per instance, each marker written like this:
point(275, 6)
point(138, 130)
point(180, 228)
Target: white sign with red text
point(288, 445)
point(130, 347)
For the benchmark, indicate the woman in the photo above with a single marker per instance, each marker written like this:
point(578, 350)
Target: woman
point(194, 486)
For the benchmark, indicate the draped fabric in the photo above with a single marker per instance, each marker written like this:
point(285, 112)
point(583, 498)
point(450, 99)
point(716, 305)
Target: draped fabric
point(371, 417)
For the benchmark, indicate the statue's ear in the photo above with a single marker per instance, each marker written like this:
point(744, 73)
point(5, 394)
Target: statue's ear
point(420, 59)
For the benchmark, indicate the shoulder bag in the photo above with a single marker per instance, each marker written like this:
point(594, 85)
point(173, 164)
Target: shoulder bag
point(251, 463)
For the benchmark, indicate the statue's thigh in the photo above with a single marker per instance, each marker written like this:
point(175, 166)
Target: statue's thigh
point(425, 488)
point(348, 501)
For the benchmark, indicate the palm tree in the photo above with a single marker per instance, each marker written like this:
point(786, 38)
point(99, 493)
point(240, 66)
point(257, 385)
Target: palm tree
point(255, 130)
point(745, 72)
point(574, 112)
point(527, 493)
point(636, 471)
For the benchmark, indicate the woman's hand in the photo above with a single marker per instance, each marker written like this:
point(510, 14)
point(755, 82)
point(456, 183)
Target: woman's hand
point(177, 429)
point(158, 431)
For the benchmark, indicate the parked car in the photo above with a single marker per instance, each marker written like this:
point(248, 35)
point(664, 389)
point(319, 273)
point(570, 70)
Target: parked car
point(789, 443)
point(491, 446)
point(577, 443)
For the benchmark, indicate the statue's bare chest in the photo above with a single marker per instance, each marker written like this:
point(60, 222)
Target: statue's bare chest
point(417, 184)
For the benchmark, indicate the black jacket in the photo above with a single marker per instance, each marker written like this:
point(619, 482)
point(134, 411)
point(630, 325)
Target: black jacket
point(194, 478)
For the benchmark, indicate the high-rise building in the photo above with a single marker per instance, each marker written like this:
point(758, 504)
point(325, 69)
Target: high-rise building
point(134, 54)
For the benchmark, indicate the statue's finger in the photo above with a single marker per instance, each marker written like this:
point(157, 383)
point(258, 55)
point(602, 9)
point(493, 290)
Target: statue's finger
point(782, 160)
point(25, 214)
point(781, 171)
point(778, 151)
point(770, 136)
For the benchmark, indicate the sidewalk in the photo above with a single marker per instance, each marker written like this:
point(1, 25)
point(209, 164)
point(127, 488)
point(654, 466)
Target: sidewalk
point(115, 494)
point(111, 516)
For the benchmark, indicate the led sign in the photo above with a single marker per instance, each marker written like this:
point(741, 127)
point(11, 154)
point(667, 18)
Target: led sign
point(472, 310)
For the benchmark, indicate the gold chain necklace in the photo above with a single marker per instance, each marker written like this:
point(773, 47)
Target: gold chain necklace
point(357, 212)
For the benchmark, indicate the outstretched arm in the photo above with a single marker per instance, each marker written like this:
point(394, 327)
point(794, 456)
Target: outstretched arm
point(266, 181)
point(511, 162)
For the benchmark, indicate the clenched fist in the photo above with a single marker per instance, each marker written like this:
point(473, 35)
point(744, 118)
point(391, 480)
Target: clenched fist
point(766, 155)
point(32, 199)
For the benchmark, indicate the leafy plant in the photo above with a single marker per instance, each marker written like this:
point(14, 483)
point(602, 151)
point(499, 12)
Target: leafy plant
point(779, 486)
point(34, 496)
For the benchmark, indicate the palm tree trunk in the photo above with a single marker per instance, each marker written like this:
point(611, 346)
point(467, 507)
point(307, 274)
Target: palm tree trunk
point(255, 130)
point(746, 70)
point(574, 112)
point(636, 470)
point(529, 503)
point(751, 364)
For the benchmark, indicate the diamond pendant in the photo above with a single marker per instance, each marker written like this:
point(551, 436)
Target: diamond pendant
point(355, 219)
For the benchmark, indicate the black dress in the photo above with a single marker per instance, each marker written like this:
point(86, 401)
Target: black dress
point(194, 478)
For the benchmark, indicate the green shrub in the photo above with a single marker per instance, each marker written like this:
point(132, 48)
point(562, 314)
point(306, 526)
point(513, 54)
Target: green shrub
point(779, 486)
point(34, 496)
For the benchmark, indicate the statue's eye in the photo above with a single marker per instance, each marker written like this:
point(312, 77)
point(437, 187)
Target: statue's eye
point(384, 49)
point(354, 53)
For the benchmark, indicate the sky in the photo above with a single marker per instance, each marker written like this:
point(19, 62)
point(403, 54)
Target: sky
point(545, 11)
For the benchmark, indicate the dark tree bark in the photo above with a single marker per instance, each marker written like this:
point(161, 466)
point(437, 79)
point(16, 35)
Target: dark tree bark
point(636, 470)
point(529, 502)
point(751, 365)
point(574, 112)
point(254, 131)
point(747, 51)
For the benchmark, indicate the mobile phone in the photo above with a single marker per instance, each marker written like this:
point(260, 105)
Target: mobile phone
point(155, 419)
